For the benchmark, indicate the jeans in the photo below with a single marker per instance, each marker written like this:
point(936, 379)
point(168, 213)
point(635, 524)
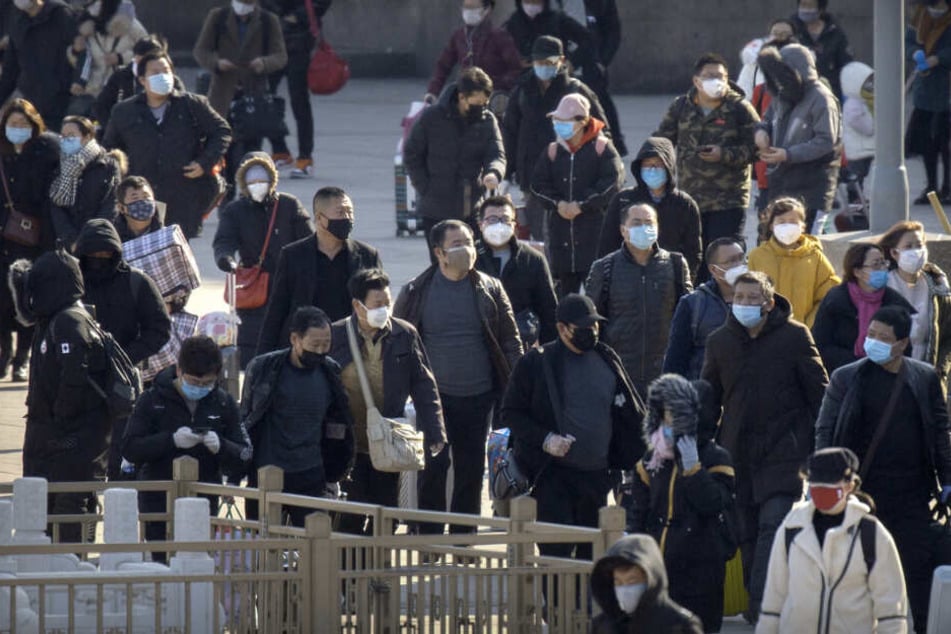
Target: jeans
point(566, 283)
point(467, 428)
point(758, 526)
point(722, 223)
point(370, 486)
point(296, 70)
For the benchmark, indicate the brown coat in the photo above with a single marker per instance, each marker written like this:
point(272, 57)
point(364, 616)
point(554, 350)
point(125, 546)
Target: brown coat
point(215, 43)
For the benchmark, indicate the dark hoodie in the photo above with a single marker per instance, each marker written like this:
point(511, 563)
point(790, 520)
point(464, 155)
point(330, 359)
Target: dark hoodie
point(678, 216)
point(127, 303)
point(656, 612)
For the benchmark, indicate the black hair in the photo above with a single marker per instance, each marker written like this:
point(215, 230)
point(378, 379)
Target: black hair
point(855, 259)
point(472, 80)
point(152, 43)
point(760, 279)
point(709, 58)
point(199, 356)
point(496, 201)
point(438, 233)
point(307, 317)
point(627, 211)
point(86, 127)
point(822, 5)
point(716, 244)
point(152, 57)
point(327, 193)
point(896, 317)
point(366, 280)
point(131, 182)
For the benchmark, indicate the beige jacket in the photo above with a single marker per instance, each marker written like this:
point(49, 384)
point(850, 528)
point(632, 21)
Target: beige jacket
point(828, 590)
point(121, 34)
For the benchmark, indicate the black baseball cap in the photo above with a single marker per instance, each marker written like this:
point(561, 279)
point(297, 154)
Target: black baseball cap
point(546, 46)
point(832, 464)
point(577, 310)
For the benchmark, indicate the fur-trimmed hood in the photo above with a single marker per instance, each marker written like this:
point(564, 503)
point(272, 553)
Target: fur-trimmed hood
point(248, 161)
point(116, 19)
point(672, 392)
point(43, 288)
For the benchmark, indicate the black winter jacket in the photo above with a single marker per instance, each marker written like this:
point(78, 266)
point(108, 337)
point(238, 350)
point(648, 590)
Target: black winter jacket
point(584, 177)
point(678, 216)
point(158, 414)
point(95, 197)
point(696, 317)
point(190, 131)
point(446, 157)
point(121, 85)
point(297, 36)
point(526, 128)
point(771, 388)
point(29, 175)
point(527, 282)
point(293, 285)
point(125, 232)
point(527, 409)
point(831, 49)
point(128, 305)
point(604, 24)
point(257, 396)
point(551, 21)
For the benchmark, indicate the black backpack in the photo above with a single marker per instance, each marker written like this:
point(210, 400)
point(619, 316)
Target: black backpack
point(866, 537)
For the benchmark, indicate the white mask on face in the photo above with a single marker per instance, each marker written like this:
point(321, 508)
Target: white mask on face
point(498, 234)
point(714, 88)
point(377, 317)
point(472, 17)
point(23, 5)
point(240, 8)
point(787, 232)
point(532, 10)
point(258, 190)
point(911, 260)
point(95, 8)
point(629, 596)
point(730, 275)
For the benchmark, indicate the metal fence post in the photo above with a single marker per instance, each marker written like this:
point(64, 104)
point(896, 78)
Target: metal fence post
point(185, 474)
point(270, 480)
point(324, 585)
point(522, 511)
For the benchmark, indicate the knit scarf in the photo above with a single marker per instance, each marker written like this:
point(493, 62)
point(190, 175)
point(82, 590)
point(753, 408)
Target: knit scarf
point(662, 451)
point(63, 188)
point(928, 30)
point(867, 304)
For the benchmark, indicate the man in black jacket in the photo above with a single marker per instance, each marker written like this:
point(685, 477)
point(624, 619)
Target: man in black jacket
point(126, 302)
point(914, 450)
point(454, 150)
point(567, 442)
point(472, 353)
point(535, 18)
point(315, 271)
point(522, 270)
point(396, 367)
point(35, 61)
point(819, 31)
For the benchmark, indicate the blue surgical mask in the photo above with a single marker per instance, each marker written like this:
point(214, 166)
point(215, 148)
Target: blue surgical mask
point(642, 237)
point(18, 136)
point(748, 316)
point(629, 596)
point(195, 392)
point(877, 351)
point(564, 129)
point(878, 279)
point(162, 83)
point(70, 145)
point(654, 177)
point(668, 433)
point(544, 71)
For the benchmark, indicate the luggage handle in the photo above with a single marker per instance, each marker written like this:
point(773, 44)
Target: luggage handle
point(231, 284)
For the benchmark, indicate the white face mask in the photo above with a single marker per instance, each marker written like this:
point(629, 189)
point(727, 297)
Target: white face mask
point(911, 260)
point(95, 8)
point(240, 8)
point(377, 317)
point(499, 234)
point(714, 88)
point(472, 17)
point(258, 190)
point(629, 596)
point(532, 10)
point(730, 275)
point(787, 232)
point(135, 68)
point(23, 5)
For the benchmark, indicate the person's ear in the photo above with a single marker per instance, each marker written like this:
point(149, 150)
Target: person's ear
point(902, 345)
point(770, 305)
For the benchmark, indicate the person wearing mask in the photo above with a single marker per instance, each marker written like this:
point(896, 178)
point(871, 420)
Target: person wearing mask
point(522, 270)
point(800, 137)
point(125, 302)
point(637, 289)
point(297, 412)
point(925, 287)
point(173, 138)
point(765, 369)
point(85, 185)
point(794, 260)
point(477, 43)
point(928, 46)
point(526, 127)
point(439, 304)
point(704, 310)
point(597, 426)
point(843, 316)
point(243, 227)
point(138, 211)
point(315, 270)
point(30, 157)
point(629, 584)
point(891, 411)
point(396, 368)
point(858, 119)
point(818, 544)
point(712, 129)
point(678, 217)
point(818, 30)
point(574, 180)
point(454, 151)
point(681, 488)
point(35, 60)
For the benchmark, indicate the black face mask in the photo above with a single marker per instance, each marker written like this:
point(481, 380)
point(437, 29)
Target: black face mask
point(98, 268)
point(310, 359)
point(584, 339)
point(475, 113)
point(340, 228)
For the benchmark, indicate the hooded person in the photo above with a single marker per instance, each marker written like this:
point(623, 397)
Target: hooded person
point(256, 226)
point(681, 489)
point(678, 216)
point(858, 120)
point(629, 583)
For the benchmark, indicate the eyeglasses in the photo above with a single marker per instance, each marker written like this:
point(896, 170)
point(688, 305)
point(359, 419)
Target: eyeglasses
point(877, 265)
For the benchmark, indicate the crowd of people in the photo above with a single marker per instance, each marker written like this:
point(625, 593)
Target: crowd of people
point(646, 352)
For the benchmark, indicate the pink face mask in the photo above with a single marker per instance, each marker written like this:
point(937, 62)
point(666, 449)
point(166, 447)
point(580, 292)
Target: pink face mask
point(826, 498)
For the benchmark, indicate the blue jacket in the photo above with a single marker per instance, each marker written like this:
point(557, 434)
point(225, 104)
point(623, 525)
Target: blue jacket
point(932, 87)
point(697, 315)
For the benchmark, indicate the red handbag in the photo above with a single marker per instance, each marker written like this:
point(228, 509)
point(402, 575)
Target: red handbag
point(251, 282)
point(327, 72)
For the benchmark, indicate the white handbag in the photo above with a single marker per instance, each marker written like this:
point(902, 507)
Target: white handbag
point(395, 445)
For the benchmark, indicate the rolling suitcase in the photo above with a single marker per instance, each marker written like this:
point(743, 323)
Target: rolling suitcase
point(408, 222)
point(939, 607)
point(230, 355)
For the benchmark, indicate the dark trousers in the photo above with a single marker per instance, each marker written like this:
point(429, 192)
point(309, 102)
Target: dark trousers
point(928, 135)
point(310, 482)
point(296, 70)
point(66, 470)
point(370, 486)
point(599, 84)
point(566, 283)
point(758, 526)
point(467, 428)
point(722, 223)
point(535, 214)
point(236, 152)
point(699, 588)
point(114, 465)
point(8, 326)
point(154, 502)
point(568, 496)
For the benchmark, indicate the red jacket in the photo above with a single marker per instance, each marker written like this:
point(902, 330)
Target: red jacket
point(485, 46)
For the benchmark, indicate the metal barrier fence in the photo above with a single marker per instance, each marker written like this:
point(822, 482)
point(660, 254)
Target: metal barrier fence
point(270, 577)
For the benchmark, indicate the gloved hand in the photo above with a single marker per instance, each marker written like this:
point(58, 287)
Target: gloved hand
point(185, 438)
point(687, 446)
point(557, 445)
point(212, 442)
point(945, 493)
point(227, 264)
point(921, 60)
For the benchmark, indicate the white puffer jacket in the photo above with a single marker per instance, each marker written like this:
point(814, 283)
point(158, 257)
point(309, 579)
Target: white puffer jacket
point(750, 77)
point(828, 590)
point(122, 32)
point(858, 124)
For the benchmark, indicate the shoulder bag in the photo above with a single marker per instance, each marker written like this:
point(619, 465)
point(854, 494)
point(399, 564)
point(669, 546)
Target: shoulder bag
point(327, 72)
point(19, 227)
point(395, 445)
point(251, 282)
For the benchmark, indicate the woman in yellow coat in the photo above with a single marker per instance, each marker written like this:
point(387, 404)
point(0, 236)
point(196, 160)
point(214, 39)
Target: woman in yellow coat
point(794, 260)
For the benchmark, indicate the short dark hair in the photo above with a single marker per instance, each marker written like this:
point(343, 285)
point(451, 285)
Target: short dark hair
point(716, 244)
point(896, 317)
point(822, 4)
point(152, 43)
point(709, 58)
point(474, 79)
point(307, 317)
point(152, 57)
point(496, 201)
point(855, 259)
point(366, 280)
point(893, 236)
point(131, 182)
point(86, 127)
point(438, 233)
point(325, 194)
point(760, 279)
point(627, 211)
point(199, 356)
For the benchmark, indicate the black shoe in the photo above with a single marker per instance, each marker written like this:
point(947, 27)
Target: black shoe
point(944, 196)
point(4, 366)
point(19, 374)
point(922, 199)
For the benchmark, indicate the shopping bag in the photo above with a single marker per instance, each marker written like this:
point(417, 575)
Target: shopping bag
point(735, 599)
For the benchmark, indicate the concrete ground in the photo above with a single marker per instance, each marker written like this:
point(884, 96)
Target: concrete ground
point(357, 132)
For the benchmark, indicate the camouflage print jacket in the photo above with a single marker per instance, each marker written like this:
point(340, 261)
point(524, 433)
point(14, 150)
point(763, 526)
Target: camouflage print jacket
point(721, 185)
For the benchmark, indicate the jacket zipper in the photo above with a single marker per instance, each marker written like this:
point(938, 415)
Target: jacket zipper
point(644, 330)
point(571, 198)
point(670, 509)
point(822, 600)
